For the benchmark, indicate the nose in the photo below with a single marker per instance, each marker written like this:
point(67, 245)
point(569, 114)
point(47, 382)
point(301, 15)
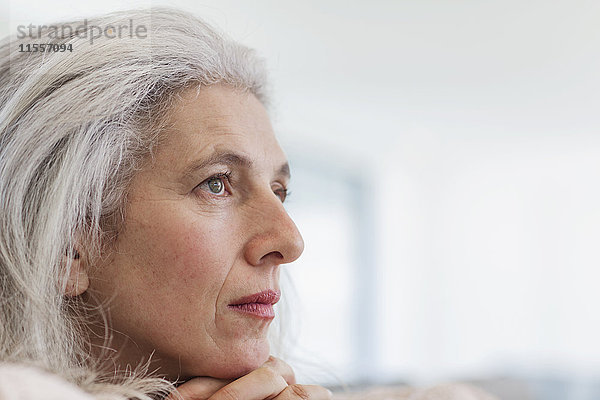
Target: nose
point(275, 238)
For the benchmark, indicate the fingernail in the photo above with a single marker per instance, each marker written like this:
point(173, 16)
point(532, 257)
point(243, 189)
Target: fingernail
point(330, 394)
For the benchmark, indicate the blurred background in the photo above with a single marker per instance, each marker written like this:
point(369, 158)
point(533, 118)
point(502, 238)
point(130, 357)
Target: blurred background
point(446, 178)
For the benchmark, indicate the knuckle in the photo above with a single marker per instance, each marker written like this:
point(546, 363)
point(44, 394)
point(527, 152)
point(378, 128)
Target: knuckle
point(273, 362)
point(299, 391)
point(276, 363)
point(272, 359)
point(282, 368)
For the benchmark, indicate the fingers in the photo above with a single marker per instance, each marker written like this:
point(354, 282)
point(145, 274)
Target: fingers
point(200, 388)
point(304, 392)
point(260, 384)
point(272, 379)
point(282, 368)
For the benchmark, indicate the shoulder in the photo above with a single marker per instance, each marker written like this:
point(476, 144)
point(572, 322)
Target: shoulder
point(21, 382)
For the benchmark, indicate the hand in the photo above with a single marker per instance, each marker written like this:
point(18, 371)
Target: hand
point(274, 380)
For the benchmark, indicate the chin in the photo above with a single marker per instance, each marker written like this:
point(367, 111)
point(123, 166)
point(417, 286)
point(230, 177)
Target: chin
point(241, 361)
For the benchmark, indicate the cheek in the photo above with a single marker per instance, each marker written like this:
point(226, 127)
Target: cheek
point(190, 256)
point(180, 260)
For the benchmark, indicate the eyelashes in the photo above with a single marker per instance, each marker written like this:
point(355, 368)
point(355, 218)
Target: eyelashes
point(283, 193)
point(220, 185)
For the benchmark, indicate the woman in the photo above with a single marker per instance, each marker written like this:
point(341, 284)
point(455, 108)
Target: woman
point(142, 225)
point(142, 230)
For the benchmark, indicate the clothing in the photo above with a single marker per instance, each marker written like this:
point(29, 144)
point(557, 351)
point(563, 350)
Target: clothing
point(20, 382)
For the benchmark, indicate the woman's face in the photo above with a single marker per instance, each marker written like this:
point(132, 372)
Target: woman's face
point(205, 226)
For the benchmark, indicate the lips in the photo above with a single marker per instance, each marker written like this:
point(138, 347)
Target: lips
point(268, 296)
point(258, 305)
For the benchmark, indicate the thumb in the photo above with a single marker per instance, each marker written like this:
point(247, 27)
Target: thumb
point(199, 388)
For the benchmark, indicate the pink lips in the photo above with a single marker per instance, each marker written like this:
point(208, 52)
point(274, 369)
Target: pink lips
point(258, 304)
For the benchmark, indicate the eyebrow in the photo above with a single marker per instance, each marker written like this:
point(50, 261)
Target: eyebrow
point(230, 158)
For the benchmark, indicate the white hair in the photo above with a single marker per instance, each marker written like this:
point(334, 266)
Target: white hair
point(74, 128)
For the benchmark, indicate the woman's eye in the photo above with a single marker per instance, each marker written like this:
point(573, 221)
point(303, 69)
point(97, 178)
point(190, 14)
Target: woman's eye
point(216, 185)
point(282, 193)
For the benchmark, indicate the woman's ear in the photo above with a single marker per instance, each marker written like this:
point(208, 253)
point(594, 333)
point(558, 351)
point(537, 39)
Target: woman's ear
point(78, 280)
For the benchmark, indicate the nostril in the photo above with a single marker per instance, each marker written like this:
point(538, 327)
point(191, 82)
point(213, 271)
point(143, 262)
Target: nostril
point(272, 258)
point(274, 254)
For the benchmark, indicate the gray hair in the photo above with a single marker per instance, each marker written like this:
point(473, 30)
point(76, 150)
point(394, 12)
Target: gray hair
point(74, 128)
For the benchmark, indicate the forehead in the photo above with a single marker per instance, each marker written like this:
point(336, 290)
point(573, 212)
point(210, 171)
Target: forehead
point(219, 118)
